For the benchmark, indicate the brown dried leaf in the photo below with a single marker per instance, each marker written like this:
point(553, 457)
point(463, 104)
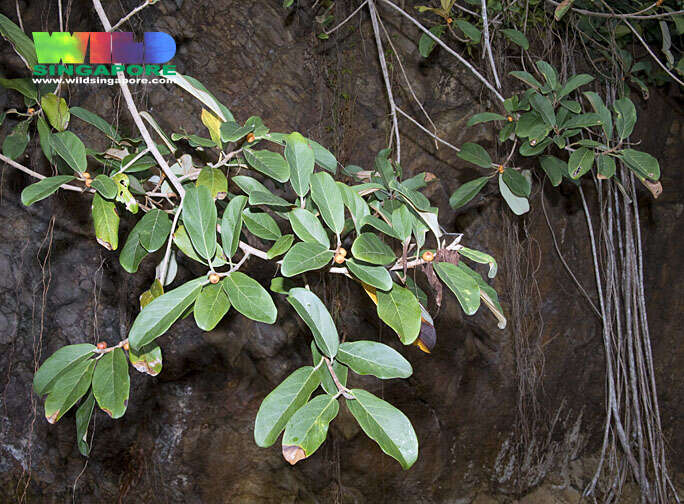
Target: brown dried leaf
point(293, 454)
point(434, 282)
point(656, 188)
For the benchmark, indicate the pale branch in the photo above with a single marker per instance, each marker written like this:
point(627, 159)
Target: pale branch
point(448, 49)
point(488, 45)
point(128, 97)
point(385, 74)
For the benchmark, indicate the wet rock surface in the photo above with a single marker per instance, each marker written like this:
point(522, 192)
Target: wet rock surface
point(187, 435)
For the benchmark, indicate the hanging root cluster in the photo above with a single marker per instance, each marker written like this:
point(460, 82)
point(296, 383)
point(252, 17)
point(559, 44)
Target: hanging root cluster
point(633, 442)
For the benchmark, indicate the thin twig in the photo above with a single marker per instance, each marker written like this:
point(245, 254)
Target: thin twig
point(328, 32)
point(130, 15)
point(167, 254)
point(460, 58)
point(385, 75)
point(634, 15)
point(427, 130)
point(37, 175)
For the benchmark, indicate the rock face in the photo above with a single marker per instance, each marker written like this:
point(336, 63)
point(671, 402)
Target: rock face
point(187, 434)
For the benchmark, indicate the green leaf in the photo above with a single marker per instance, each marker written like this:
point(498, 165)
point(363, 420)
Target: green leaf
point(232, 131)
point(426, 44)
point(562, 8)
point(380, 225)
point(210, 306)
point(60, 362)
point(305, 257)
point(543, 106)
point(549, 74)
point(282, 285)
point(279, 406)
point(281, 246)
point(324, 158)
point(307, 227)
point(133, 252)
point(106, 221)
point(573, 83)
point(516, 182)
point(70, 148)
point(377, 276)
point(484, 117)
point(314, 313)
point(554, 168)
point(156, 318)
point(111, 383)
point(105, 186)
point(68, 388)
point(147, 360)
point(463, 286)
point(300, 157)
point(480, 257)
point(231, 225)
point(199, 217)
point(24, 85)
point(383, 165)
point(261, 224)
point(248, 297)
point(373, 358)
point(153, 229)
point(369, 248)
point(572, 106)
point(15, 143)
point(517, 204)
point(582, 121)
point(358, 208)
point(402, 222)
point(469, 29)
point(45, 137)
point(466, 192)
point(475, 153)
point(327, 381)
point(21, 43)
point(328, 198)
point(400, 310)
point(249, 184)
point(269, 163)
point(605, 166)
point(215, 180)
point(580, 162)
point(44, 188)
point(56, 110)
point(386, 425)
point(182, 241)
point(308, 427)
point(603, 112)
point(527, 78)
point(95, 120)
point(83, 415)
point(642, 163)
point(625, 117)
point(517, 37)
